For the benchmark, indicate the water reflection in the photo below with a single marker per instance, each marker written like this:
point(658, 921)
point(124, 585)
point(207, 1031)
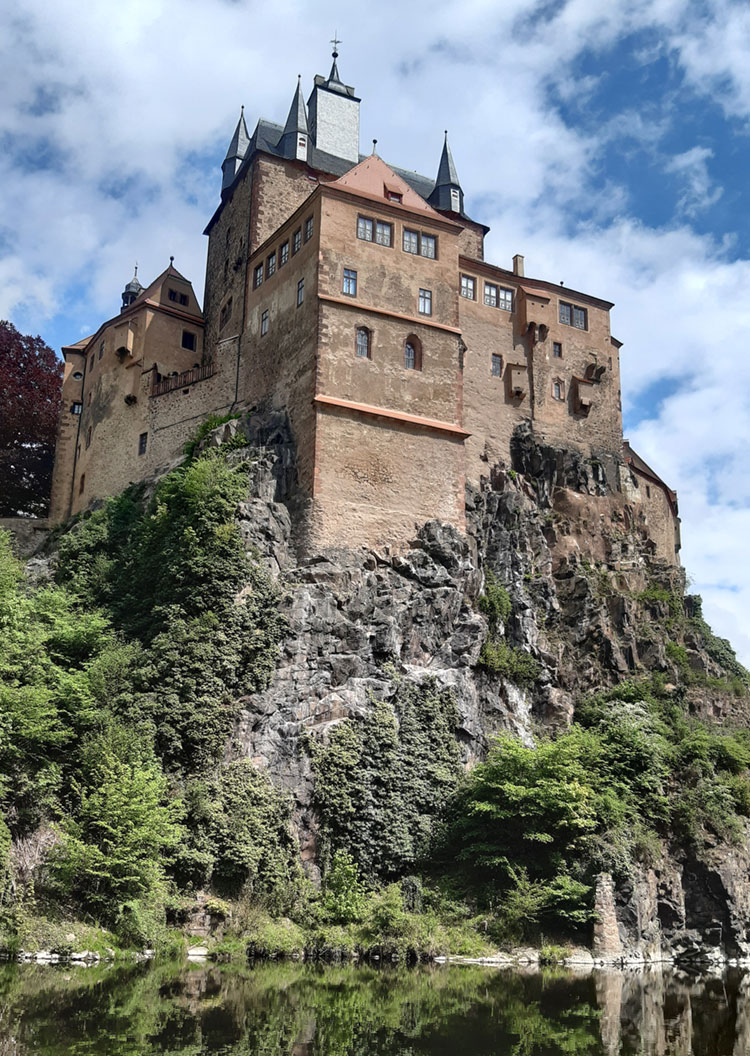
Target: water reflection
point(303, 1010)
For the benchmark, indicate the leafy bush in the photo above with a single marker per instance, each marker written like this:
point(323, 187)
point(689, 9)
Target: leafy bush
point(514, 664)
point(495, 603)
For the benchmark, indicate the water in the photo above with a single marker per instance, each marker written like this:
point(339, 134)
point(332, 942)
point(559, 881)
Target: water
point(302, 1010)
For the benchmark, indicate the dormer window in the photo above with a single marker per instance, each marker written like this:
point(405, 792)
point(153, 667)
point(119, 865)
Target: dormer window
point(394, 196)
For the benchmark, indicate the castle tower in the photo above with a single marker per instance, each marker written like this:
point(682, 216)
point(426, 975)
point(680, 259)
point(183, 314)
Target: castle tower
point(448, 195)
point(235, 153)
point(334, 115)
point(295, 137)
point(132, 291)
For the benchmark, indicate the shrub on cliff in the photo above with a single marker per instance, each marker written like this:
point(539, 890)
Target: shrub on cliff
point(382, 781)
point(175, 578)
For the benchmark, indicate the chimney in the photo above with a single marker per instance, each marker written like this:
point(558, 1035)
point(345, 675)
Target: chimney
point(518, 265)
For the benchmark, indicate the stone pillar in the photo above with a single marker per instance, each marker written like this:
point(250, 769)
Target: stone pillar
point(607, 943)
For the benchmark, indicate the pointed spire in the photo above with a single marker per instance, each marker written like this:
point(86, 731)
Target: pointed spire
point(333, 76)
point(236, 151)
point(294, 138)
point(447, 194)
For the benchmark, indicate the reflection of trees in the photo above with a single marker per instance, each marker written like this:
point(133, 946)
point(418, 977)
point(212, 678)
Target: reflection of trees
point(307, 1010)
point(294, 1010)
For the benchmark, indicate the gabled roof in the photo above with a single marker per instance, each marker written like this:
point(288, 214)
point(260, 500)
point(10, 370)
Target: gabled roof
point(634, 459)
point(373, 179)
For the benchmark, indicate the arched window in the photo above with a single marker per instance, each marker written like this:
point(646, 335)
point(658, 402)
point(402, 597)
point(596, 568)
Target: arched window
point(558, 389)
point(413, 353)
point(364, 342)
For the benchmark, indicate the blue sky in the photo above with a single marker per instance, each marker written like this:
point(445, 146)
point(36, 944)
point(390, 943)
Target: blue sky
point(609, 143)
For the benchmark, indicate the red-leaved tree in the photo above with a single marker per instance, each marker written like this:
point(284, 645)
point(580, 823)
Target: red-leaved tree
point(30, 383)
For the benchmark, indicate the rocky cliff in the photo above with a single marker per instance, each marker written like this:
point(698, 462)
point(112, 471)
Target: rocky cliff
point(590, 605)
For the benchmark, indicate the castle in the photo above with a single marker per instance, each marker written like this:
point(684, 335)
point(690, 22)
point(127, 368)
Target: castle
point(355, 297)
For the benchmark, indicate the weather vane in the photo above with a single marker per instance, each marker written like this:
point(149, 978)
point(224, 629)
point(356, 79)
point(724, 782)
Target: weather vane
point(336, 43)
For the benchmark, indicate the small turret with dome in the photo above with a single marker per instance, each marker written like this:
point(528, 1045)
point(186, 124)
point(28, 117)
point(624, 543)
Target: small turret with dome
point(132, 291)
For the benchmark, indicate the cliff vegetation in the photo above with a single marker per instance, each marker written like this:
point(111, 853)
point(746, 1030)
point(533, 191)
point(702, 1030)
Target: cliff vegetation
point(406, 822)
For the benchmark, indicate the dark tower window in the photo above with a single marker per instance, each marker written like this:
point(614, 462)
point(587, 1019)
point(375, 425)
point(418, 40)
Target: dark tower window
point(142, 443)
point(188, 340)
point(413, 353)
point(363, 342)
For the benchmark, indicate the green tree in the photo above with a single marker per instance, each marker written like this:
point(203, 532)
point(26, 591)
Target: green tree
point(121, 827)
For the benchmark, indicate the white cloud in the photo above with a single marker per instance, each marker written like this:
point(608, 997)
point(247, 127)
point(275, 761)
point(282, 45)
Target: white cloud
point(698, 190)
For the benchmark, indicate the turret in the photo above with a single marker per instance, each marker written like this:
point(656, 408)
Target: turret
point(334, 115)
point(447, 194)
point(294, 138)
point(235, 153)
point(132, 291)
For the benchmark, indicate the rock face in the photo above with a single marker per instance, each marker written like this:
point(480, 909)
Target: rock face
point(577, 561)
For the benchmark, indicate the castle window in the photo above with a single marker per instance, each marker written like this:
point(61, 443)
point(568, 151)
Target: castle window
point(101, 349)
point(468, 287)
point(76, 408)
point(383, 233)
point(178, 298)
point(363, 342)
point(496, 365)
point(82, 484)
point(425, 302)
point(300, 292)
point(558, 390)
point(88, 438)
point(308, 228)
point(350, 282)
point(648, 492)
point(411, 241)
point(506, 299)
point(271, 264)
point(188, 340)
point(257, 276)
point(413, 353)
point(264, 323)
point(142, 442)
point(296, 241)
point(283, 254)
point(490, 294)
point(572, 315)
point(172, 294)
point(394, 196)
point(77, 376)
point(364, 228)
point(429, 246)
point(226, 314)
point(557, 349)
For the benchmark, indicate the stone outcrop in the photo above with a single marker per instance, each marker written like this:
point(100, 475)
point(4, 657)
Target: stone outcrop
point(576, 560)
